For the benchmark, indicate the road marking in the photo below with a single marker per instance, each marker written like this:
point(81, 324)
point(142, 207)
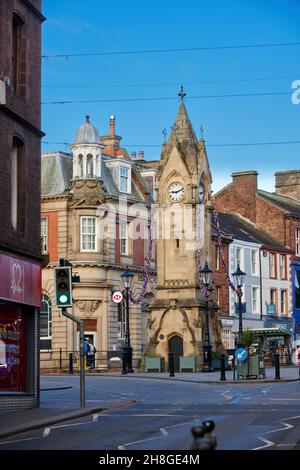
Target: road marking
point(284, 399)
point(137, 442)
point(46, 432)
point(267, 444)
point(164, 431)
point(20, 440)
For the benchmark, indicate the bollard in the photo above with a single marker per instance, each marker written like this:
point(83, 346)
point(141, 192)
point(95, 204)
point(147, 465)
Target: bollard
point(233, 367)
point(124, 363)
point(223, 376)
point(171, 364)
point(203, 440)
point(71, 363)
point(277, 367)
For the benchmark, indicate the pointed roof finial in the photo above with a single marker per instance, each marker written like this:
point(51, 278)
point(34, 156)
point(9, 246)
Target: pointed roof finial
point(87, 118)
point(202, 131)
point(164, 133)
point(182, 94)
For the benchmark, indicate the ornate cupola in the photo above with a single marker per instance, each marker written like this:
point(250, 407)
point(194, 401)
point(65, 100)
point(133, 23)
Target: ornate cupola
point(86, 151)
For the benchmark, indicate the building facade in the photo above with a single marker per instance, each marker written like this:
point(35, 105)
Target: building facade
point(95, 208)
point(20, 254)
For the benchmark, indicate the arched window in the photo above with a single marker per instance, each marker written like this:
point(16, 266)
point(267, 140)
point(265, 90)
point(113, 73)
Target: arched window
point(46, 323)
point(17, 183)
point(18, 56)
point(89, 166)
point(80, 166)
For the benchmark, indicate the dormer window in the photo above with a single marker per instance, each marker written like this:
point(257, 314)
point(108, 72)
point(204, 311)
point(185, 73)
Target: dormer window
point(124, 179)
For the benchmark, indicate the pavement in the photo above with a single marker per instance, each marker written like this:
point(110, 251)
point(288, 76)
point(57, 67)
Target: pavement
point(53, 411)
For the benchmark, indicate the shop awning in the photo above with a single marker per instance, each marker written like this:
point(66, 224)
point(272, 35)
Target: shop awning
point(270, 332)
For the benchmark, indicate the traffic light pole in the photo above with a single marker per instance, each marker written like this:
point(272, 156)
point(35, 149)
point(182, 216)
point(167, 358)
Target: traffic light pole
point(81, 341)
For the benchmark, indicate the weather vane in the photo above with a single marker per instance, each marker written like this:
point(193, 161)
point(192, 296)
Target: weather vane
point(182, 94)
point(164, 133)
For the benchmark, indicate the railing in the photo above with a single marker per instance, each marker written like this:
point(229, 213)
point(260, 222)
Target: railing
point(64, 360)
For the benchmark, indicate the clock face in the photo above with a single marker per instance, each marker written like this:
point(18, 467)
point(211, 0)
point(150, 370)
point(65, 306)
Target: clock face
point(176, 192)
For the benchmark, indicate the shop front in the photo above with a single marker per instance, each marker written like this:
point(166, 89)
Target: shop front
point(20, 295)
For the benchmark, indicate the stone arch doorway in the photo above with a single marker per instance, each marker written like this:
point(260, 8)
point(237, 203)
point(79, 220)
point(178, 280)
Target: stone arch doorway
point(176, 346)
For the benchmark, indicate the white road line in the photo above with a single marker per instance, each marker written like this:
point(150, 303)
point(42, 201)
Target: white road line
point(164, 431)
point(267, 444)
point(284, 399)
point(20, 440)
point(137, 442)
point(46, 432)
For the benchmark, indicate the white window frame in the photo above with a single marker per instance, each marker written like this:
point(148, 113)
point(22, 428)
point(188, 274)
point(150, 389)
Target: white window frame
point(44, 234)
point(274, 257)
point(82, 248)
point(46, 299)
point(297, 241)
point(127, 178)
point(274, 289)
point(124, 242)
point(257, 299)
point(285, 312)
point(255, 272)
point(282, 267)
point(217, 257)
point(241, 263)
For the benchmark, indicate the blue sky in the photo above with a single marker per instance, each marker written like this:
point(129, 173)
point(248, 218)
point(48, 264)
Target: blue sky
point(77, 26)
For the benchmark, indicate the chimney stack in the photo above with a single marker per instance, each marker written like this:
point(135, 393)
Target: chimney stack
point(112, 125)
point(133, 155)
point(141, 155)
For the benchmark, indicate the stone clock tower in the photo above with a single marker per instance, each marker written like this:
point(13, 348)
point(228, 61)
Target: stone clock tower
point(183, 222)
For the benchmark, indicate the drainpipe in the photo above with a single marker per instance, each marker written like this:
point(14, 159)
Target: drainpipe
point(260, 283)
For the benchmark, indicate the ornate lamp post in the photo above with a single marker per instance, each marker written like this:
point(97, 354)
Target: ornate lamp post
point(127, 278)
point(239, 279)
point(206, 276)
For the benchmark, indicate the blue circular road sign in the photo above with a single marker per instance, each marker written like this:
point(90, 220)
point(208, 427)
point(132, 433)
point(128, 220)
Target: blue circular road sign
point(241, 354)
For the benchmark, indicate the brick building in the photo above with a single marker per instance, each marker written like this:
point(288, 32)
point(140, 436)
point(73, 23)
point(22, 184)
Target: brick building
point(277, 214)
point(20, 135)
point(91, 200)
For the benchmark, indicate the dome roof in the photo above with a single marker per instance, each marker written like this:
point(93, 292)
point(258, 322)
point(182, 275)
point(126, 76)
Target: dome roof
point(87, 134)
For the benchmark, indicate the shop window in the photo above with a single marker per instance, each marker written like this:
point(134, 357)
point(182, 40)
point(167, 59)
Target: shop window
point(12, 349)
point(46, 324)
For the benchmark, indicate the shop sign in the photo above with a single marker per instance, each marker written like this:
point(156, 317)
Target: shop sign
point(20, 281)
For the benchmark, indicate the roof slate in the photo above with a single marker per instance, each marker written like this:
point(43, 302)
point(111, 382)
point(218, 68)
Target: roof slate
point(245, 231)
point(288, 204)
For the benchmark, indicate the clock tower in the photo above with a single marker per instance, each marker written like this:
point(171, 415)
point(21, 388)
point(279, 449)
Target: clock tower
point(183, 229)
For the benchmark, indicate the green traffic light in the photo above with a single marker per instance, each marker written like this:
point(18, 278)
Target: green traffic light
point(63, 299)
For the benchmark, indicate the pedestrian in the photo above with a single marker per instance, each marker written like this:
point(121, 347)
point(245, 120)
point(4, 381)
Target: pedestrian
point(86, 349)
point(91, 355)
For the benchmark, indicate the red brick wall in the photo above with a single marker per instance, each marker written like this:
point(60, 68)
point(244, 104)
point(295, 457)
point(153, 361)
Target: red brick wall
point(239, 197)
point(219, 279)
point(52, 234)
point(24, 126)
point(271, 219)
point(138, 252)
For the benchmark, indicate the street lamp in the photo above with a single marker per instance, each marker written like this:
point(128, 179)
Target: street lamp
point(206, 276)
point(127, 278)
point(239, 279)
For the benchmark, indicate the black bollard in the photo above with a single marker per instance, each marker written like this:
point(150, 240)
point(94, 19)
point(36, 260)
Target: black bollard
point(223, 376)
point(171, 364)
point(277, 367)
point(70, 363)
point(203, 440)
point(124, 363)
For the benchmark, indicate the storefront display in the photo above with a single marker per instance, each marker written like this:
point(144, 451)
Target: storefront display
point(12, 349)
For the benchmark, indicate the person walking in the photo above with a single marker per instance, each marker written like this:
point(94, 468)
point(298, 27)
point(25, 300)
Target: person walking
point(91, 355)
point(86, 350)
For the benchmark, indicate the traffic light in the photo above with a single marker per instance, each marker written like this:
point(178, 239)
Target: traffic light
point(63, 286)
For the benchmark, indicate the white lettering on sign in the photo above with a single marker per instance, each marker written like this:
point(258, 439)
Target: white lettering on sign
point(16, 279)
point(117, 297)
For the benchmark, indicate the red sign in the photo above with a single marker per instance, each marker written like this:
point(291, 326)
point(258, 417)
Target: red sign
point(117, 297)
point(20, 281)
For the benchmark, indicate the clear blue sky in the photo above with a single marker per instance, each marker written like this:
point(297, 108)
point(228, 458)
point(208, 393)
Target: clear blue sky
point(77, 26)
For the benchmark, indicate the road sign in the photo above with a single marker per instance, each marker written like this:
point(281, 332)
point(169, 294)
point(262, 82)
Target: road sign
point(117, 297)
point(241, 354)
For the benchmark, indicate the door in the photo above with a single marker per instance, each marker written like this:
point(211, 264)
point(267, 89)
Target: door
point(176, 347)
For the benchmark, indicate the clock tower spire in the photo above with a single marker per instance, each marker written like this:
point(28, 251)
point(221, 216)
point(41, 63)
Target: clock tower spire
point(184, 223)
